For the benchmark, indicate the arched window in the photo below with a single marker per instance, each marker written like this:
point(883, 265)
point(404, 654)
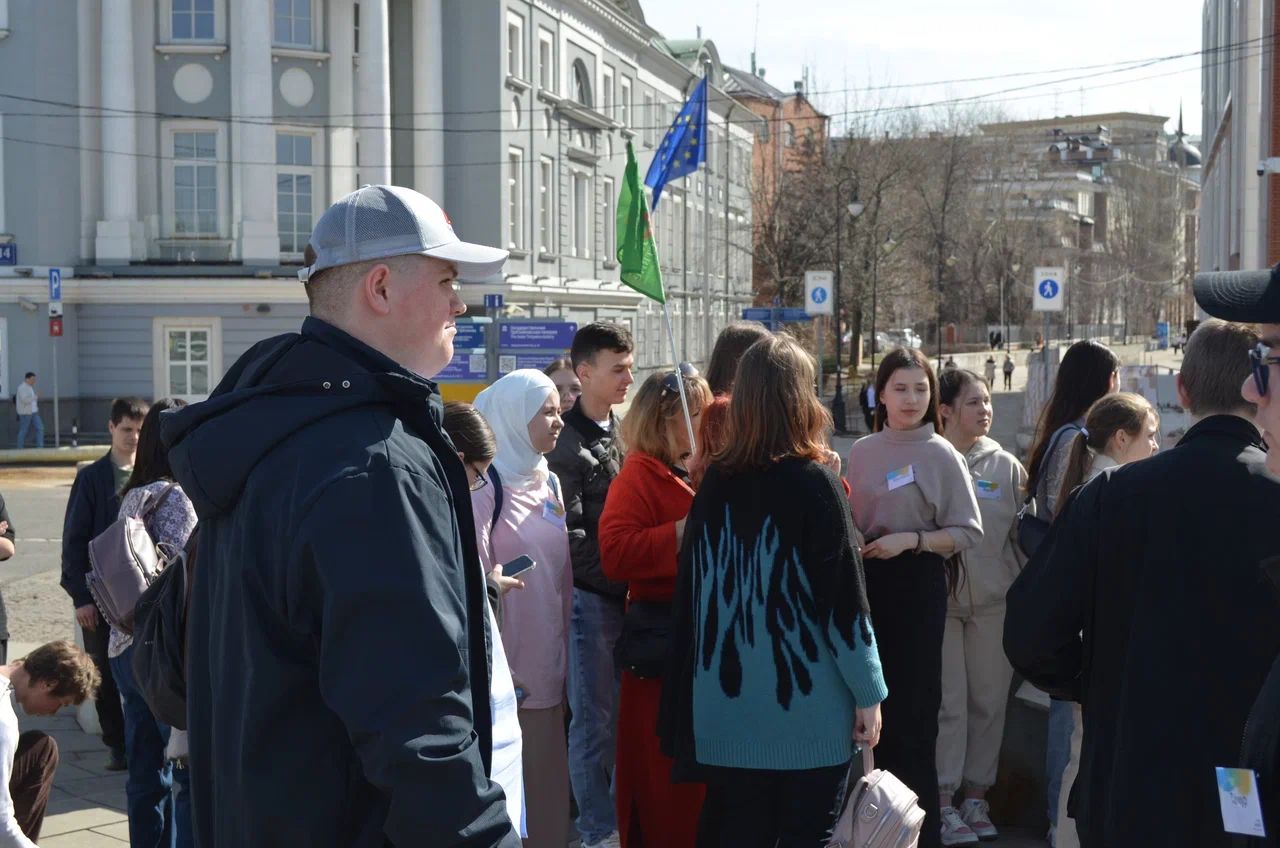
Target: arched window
point(789, 135)
point(581, 83)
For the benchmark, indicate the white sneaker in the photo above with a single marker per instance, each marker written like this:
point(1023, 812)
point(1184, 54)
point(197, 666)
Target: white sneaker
point(610, 841)
point(977, 814)
point(954, 830)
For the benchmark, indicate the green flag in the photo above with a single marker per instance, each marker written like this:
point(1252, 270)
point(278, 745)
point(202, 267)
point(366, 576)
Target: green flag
point(636, 252)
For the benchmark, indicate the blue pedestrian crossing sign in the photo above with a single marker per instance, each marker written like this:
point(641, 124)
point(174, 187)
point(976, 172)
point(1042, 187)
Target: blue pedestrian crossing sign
point(817, 292)
point(1050, 288)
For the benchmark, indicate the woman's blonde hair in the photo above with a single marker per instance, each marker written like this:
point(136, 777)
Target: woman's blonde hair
point(655, 420)
point(1109, 415)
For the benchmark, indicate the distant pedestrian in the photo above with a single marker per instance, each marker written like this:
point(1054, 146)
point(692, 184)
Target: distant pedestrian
point(29, 411)
point(989, 371)
point(1008, 372)
point(49, 678)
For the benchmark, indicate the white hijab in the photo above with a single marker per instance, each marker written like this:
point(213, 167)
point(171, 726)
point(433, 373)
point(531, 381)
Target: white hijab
point(509, 405)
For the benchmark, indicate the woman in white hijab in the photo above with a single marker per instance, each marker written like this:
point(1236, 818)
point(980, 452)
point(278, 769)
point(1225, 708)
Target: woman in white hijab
point(523, 408)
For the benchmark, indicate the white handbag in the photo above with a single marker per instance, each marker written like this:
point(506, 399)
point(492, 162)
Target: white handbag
point(879, 811)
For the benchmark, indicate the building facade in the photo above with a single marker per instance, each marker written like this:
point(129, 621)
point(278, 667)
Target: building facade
point(1240, 93)
point(174, 159)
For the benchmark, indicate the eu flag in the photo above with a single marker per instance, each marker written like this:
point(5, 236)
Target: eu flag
point(685, 145)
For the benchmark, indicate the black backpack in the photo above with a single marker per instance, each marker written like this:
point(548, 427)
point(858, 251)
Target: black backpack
point(160, 638)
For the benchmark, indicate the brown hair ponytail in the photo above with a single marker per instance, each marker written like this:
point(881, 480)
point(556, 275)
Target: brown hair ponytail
point(1108, 416)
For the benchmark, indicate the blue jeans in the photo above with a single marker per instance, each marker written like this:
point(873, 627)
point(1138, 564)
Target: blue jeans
point(1057, 752)
point(593, 698)
point(26, 421)
point(149, 787)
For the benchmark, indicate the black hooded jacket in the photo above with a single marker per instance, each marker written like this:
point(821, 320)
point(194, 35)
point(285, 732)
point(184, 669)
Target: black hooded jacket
point(338, 665)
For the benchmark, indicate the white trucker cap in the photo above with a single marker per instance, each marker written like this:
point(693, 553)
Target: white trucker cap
point(381, 221)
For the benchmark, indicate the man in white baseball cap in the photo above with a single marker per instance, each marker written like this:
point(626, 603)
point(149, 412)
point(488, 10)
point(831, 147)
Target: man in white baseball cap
point(339, 652)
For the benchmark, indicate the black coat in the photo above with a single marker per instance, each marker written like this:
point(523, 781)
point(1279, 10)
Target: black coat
point(1146, 604)
point(94, 505)
point(1261, 749)
point(586, 459)
point(338, 690)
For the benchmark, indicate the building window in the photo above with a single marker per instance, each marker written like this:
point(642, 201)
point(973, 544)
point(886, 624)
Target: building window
point(187, 353)
point(606, 93)
point(789, 135)
point(580, 226)
point(546, 61)
point(515, 46)
point(193, 20)
point(515, 198)
point(581, 84)
point(294, 24)
point(650, 118)
point(610, 204)
point(195, 184)
point(295, 191)
point(546, 205)
point(624, 100)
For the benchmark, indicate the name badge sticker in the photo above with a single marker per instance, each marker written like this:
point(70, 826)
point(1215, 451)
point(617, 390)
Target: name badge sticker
point(1238, 795)
point(553, 512)
point(986, 490)
point(900, 477)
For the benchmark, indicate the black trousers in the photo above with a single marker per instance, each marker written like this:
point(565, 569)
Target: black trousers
point(34, 763)
point(110, 713)
point(908, 599)
point(750, 808)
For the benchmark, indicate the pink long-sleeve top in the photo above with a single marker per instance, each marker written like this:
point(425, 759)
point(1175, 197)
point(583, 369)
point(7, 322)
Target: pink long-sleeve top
point(535, 619)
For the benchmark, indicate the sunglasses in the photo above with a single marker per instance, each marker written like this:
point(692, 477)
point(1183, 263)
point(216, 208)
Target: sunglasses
point(669, 383)
point(1261, 360)
point(481, 480)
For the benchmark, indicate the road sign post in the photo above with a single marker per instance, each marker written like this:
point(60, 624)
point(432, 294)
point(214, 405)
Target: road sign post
point(55, 332)
point(1049, 295)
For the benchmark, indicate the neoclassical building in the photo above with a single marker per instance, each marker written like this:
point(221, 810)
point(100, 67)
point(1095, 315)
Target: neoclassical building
point(170, 157)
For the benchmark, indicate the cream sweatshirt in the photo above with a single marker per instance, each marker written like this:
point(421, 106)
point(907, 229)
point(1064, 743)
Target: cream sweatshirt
point(992, 565)
point(907, 480)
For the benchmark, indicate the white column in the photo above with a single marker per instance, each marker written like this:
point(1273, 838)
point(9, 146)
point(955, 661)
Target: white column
point(88, 44)
point(428, 99)
point(373, 94)
point(254, 175)
point(342, 135)
point(119, 238)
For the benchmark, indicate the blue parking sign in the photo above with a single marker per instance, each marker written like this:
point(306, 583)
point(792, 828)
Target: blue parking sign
point(55, 284)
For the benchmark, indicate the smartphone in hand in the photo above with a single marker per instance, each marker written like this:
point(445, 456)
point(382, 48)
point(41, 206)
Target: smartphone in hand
point(518, 566)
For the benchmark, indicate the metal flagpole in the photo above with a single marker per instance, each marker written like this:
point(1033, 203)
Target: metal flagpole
point(671, 336)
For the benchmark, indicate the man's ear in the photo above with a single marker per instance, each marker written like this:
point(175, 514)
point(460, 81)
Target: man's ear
point(582, 369)
point(374, 288)
point(1183, 398)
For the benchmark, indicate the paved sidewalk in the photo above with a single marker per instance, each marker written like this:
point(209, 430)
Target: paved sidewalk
point(87, 807)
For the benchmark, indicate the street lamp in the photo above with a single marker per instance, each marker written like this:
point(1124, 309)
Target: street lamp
point(1004, 315)
point(950, 262)
point(855, 209)
point(886, 248)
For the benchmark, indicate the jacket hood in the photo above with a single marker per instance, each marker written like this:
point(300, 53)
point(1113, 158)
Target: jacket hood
point(275, 390)
point(982, 449)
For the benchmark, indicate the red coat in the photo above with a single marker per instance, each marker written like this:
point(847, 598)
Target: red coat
point(637, 534)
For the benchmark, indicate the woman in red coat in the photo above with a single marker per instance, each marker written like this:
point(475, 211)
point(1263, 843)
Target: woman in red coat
point(639, 536)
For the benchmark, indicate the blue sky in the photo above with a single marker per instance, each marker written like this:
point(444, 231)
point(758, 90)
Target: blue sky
point(853, 44)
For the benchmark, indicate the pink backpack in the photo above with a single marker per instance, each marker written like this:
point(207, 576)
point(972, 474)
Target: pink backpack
point(879, 811)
